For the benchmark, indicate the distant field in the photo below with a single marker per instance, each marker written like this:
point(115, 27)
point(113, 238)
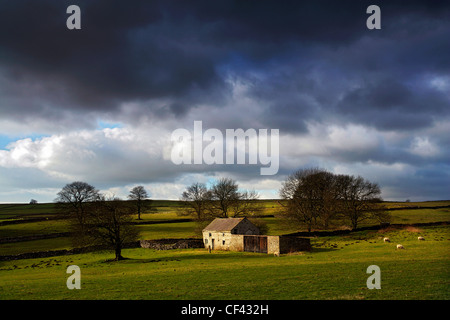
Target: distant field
point(33, 228)
point(420, 215)
point(335, 269)
point(417, 204)
point(26, 211)
point(165, 212)
point(20, 211)
point(35, 246)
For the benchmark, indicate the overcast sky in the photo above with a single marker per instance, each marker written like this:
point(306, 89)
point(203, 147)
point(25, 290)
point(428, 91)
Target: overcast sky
point(99, 104)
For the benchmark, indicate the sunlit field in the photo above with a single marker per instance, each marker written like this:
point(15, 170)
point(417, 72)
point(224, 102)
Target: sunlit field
point(334, 269)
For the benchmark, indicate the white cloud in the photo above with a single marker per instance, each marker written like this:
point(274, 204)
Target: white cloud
point(94, 154)
point(423, 147)
point(441, 83)
point(116, 159)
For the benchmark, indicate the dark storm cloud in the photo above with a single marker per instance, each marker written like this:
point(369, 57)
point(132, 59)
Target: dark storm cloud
point(389, 104)
point(123, 53)
point(143, 51)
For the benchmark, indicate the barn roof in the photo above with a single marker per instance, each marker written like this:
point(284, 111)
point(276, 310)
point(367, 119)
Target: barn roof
point(223, 224)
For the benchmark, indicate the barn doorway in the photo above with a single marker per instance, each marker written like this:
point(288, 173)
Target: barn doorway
point(255, 244)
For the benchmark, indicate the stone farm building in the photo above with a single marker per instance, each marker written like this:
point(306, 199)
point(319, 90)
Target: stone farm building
point(239, 234)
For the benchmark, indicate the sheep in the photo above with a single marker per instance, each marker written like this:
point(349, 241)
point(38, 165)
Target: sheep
point(399, 246)
point(420, 238)
point(387, 240)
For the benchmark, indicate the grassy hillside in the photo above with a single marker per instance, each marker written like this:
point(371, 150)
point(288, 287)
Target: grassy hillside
point(334, 269)
point(42, 219)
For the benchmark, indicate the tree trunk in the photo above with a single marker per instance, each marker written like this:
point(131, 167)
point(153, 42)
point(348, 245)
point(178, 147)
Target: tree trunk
point(354, 222)
point(139, 209)
point(118, 253)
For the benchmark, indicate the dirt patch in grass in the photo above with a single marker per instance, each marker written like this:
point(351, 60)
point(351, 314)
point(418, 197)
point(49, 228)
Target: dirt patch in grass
point(396, 228)
point(387, 229)
point(413, 229)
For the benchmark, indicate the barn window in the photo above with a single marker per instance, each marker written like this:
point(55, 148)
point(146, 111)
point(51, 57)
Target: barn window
point(210, 234)
point(223, 242)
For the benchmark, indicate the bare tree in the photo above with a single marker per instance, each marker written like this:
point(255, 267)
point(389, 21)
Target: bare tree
point(93, 220)
point(360, 200)
point(139, 196)
point(247, 204)
point(228, 201)
point(224, 194)
point(315, 197)
point(325, 196)
point(195, 200)
point(74, 198)
point(300, 194)
point(222, 200)
point(109, 224)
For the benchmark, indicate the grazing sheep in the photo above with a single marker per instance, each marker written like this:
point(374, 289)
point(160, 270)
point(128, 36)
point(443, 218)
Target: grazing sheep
point(399, 246)
point(387, 240)
point(421, 238)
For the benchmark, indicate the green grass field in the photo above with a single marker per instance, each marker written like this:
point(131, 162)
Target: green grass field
point(334, 269)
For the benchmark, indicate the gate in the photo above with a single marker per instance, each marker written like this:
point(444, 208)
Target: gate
point(255, 244)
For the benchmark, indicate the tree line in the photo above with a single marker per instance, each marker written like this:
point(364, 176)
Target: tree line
point(310, 198)
point(316, 199)
point(222, 199)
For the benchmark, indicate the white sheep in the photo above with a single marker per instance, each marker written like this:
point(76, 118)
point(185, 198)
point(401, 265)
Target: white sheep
point(387, 240)
point(399, 246)
point(420, 238)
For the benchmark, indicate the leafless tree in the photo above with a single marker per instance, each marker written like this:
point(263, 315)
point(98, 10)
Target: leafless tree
point(222, 200)
point(224, 194)
point(195, 200)
point(360, 200)
point(327, 196)
point(109, 224)
point(302, 205)
point(74, 198)
point(315, 197)
point(228, 201)
point(139, 196)
point(247, 204)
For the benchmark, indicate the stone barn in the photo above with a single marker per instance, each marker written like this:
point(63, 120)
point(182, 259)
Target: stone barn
point(218, 235)
point(239, 234)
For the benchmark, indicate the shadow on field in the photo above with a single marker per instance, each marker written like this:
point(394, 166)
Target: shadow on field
point(204, 256)
point(322, 249)
point(140, 260)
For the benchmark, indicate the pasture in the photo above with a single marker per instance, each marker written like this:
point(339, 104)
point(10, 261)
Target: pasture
point(334, 269)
